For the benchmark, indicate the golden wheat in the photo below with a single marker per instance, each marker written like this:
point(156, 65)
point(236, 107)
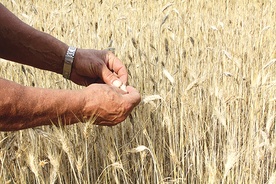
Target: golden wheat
point(206, 71)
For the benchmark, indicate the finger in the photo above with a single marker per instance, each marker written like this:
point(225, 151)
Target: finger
point(117, 66)
point(120, 90)
point(133, 95)
point(112, 79)
point(109, 77)
point(106, 123)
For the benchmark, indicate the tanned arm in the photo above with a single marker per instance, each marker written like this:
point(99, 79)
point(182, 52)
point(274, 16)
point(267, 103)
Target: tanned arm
point(24, 107)
point(24, 44)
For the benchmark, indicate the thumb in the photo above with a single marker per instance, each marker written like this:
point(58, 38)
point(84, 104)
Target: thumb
point(110, 78)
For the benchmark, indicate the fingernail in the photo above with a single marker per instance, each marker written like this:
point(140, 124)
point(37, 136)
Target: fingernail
point(123, 87)
point(117, 83)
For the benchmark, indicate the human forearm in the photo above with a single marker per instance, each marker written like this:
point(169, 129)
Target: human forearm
point(24, 107)
point(21, 107)
point(23, 44)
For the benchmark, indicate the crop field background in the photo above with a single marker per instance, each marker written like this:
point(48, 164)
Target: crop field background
point(206, 71)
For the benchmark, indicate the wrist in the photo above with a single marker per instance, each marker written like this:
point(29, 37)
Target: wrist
point(68, 62)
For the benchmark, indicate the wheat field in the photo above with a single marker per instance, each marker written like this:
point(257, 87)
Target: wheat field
point(206, 71)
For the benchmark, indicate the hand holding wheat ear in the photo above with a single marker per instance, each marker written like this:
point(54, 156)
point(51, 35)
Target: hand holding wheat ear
point(98, 66)
point(108, 104)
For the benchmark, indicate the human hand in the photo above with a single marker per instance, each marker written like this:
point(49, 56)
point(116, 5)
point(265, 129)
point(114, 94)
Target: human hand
point(98, 66)
point(110, 105)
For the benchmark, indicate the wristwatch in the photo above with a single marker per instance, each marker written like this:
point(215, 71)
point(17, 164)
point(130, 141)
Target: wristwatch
point(68, 61)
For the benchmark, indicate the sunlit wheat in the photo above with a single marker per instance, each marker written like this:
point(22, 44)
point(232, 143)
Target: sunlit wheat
point(206, 74)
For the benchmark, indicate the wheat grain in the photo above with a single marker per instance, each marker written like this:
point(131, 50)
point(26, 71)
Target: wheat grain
point(168, 75)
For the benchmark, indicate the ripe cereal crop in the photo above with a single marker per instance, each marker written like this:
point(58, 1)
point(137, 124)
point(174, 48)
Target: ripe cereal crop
point(206, 71)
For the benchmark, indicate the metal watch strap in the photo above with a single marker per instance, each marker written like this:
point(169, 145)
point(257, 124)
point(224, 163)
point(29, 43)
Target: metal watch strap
point(68, 61)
